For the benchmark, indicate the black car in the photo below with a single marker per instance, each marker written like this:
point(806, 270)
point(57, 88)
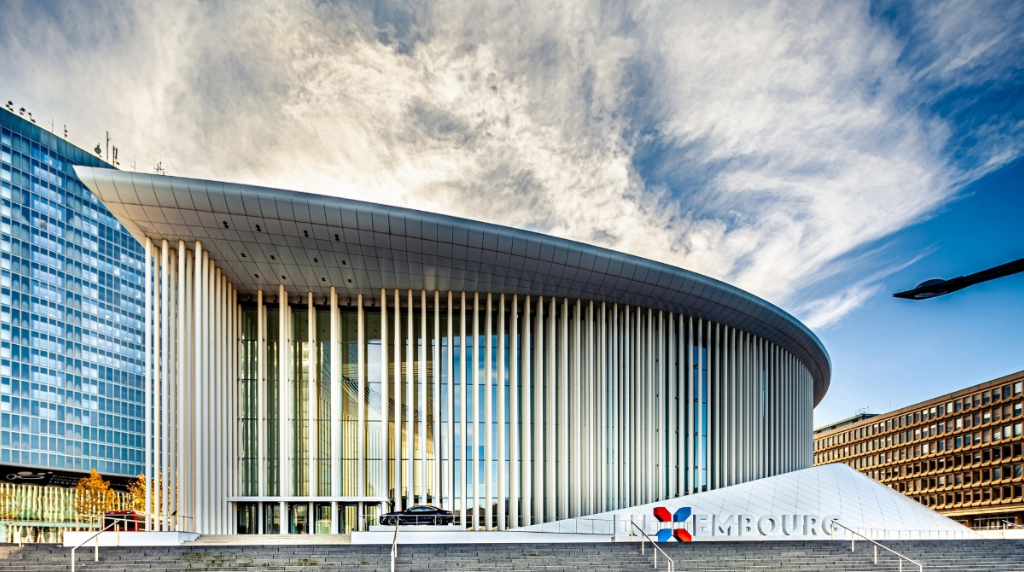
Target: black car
point(419, 514)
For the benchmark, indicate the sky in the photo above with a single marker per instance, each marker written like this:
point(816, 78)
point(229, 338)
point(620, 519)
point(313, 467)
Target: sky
point(821, 155)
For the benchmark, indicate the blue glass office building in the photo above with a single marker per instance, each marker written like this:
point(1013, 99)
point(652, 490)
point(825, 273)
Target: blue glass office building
point(71, 316)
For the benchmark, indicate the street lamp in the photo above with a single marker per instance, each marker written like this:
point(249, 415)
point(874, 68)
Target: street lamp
point(938, 287)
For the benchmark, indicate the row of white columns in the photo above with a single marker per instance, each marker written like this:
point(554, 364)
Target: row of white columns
point(191, 359)
point(609, 406)
point(605, 411)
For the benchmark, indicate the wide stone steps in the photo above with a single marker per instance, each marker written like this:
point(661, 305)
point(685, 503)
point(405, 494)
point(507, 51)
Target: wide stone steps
point(959, 555)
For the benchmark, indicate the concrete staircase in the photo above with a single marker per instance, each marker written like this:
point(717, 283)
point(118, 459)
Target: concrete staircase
point(952, 555)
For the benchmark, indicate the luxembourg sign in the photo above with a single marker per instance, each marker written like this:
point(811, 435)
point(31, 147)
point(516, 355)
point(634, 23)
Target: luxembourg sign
point(738, 525)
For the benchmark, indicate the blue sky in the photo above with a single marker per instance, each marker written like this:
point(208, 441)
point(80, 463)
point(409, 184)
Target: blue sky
point(890, 352)
point(821, 155)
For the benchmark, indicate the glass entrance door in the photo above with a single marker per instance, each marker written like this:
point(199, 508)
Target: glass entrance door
point(322, 511)
point(298, 518)
point(272, 518)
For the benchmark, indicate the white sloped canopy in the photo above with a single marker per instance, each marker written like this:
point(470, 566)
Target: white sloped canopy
point(833, 490)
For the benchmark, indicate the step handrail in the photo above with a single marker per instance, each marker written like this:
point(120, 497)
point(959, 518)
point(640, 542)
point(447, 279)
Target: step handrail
point(643, 541)
point(1012, 523)
point(394, 547)
point(853, 533)
point(97, 555)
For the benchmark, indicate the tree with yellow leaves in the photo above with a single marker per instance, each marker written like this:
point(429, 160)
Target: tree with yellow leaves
point(8, 506)
point(137, 491)
point(93, 496)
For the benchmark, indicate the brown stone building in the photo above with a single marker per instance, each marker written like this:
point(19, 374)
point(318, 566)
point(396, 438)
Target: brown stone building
point(959, 454)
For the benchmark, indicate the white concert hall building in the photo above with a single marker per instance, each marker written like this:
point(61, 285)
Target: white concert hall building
point(313, 361)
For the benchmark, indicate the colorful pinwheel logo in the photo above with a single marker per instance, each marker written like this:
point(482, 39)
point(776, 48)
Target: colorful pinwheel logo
point(676, 530)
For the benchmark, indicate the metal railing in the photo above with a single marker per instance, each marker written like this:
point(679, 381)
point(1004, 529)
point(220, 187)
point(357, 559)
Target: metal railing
point(394, 549)
point(853, 539)
point(115, 525)
point(643, 542)
point(1012, 524)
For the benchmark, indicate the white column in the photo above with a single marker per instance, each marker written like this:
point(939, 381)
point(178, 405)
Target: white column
point(540, 354)
point(361, 397)
point(337, 389)
point(220, 409)
point(197, 391)
point(385, 399)
point(435, 360)
point(653, 394)
point(603, 401)
point(629, 434)
point(563, 464)
point(673, 407)
point(204, 328)
point(575, 420)
point(526, 405)
point(590, 413)
point(448, 453)
point(234, 489)
point(181, 353)
point(735, 381)
point(410, 403)
point(165, 442)
point(660, 429)
point(422, 407)
point(715, 411)
point(514, 451)
point(501, 471)
point(173, 385)
point(311, 416)
point(615, 414)
point(463, 442)
point(216, 404)
point(487, 416)
point(158, 406)
point(284, 439)
point(261, 397)
point(551, 404)
point(187, 491)
point(210, 411)
point(148, 391)
point(475, 457)
point(397, 442)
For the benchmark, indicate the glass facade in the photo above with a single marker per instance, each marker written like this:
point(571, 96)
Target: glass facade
point(71, 314)
point(450, 406)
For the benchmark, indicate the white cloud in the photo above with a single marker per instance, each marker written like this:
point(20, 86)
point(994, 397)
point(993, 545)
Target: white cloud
point(800, 129)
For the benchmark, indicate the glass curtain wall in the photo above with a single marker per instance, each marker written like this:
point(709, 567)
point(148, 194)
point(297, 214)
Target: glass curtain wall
point(350, 404)
point(272, 414)
point(372, 468)
point(656, 371)
point(322, 367)
point(249, 404)
point(299, 372)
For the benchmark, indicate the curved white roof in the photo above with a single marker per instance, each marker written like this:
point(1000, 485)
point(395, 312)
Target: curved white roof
point(264, 237)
